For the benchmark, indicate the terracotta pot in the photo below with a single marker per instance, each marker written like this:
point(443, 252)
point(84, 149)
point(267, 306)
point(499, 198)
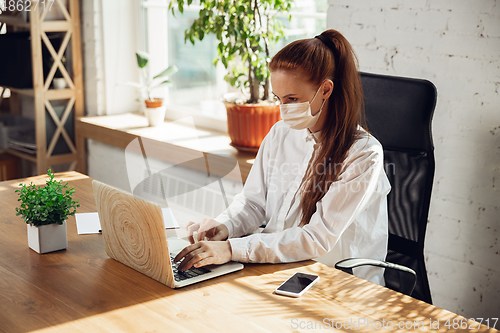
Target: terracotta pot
point(156, 103)
point(248, 124)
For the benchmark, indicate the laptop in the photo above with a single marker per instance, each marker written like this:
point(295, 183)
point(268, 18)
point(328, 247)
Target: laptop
point(134, 234)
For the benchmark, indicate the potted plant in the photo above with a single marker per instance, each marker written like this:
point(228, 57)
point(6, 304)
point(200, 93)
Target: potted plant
point(45, 210)
point(245, 31)
point(155, 111)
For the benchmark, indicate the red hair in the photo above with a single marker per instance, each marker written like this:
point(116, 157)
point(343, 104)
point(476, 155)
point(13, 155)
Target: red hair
point(318, 62)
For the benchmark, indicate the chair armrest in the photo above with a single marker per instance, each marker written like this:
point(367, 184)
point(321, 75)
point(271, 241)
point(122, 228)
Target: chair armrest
point(347, 265)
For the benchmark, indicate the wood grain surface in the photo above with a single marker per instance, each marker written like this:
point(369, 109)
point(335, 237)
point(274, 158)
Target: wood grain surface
point(81, 289)
point(132, 234)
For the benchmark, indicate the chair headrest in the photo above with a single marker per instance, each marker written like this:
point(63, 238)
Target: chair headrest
point(399, 110)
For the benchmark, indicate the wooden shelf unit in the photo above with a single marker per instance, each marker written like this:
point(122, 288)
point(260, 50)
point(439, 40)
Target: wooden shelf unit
point(14, 21)
point(41, 91)
point(20, 154)
point(27, 92)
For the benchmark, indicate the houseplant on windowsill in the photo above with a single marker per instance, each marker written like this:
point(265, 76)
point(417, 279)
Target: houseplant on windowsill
point(155, 111)
point(45, 210)
point(245, 31)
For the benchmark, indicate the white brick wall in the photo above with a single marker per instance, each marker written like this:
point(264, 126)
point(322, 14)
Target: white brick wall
point(456, 45)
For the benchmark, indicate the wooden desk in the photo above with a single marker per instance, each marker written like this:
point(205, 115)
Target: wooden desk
point(119, 130)
point(80, 289)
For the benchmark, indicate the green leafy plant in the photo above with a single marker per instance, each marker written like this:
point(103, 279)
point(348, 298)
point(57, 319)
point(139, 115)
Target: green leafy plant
point(245, 30)
point(50, 204)
point(150, 83)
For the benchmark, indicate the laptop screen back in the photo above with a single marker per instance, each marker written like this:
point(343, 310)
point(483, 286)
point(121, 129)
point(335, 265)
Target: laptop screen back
point(133, 232)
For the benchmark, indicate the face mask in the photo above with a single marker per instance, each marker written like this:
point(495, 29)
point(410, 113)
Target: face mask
point(298, 115)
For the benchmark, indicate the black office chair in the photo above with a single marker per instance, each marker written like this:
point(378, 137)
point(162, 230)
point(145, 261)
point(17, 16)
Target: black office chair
point(399, 114)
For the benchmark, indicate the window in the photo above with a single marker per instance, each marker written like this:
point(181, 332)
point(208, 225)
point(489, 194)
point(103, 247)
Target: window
point(198, 86)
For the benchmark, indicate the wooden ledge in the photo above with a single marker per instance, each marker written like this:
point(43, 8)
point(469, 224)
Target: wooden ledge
point(180, 141)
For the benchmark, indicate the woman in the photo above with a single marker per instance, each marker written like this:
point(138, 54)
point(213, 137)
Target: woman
point(317, 183)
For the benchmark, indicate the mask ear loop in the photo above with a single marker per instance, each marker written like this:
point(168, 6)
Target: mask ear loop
point(316, 94)
point(321, 108)
point(322, 104)
point(317, 91)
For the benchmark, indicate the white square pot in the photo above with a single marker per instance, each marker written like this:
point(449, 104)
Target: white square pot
point(48, 238)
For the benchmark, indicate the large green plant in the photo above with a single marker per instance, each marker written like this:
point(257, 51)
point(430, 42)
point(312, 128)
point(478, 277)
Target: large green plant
point(52, 203)
point(245, 30)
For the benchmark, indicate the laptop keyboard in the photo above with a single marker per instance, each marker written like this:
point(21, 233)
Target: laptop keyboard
point(190, 273)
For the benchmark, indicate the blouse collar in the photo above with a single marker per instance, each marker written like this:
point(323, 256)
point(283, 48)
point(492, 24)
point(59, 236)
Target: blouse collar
point(312, 136)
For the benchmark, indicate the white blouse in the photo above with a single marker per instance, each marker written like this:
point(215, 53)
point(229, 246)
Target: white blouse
point(350, 220)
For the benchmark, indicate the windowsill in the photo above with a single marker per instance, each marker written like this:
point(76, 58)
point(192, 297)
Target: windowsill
point(203, 121)
point(120, 129)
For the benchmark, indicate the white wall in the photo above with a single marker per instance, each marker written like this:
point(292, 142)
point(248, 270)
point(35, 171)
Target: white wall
point(120, 24)
point(93, 58)
point(109, 42)
point(456, 45)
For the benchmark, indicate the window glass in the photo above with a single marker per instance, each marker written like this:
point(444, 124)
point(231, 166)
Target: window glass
point(198, 85)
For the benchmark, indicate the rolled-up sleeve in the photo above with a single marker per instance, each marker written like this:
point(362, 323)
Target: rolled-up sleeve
point(355, 190)
point(247, 211)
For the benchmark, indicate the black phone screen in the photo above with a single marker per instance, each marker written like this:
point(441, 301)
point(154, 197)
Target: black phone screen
point(297, 282)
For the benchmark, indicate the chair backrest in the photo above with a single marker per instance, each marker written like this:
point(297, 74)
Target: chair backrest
point(399, 114)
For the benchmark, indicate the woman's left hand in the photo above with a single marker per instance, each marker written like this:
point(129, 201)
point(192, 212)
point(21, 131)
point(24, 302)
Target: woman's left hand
point(204, 253)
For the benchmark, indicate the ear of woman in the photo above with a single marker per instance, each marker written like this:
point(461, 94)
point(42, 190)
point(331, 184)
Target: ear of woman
point(327, 87)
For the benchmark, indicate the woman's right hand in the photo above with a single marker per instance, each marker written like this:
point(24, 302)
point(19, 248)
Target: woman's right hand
point(209, 228)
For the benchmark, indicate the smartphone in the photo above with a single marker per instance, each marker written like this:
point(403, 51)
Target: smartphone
point(297, 284)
